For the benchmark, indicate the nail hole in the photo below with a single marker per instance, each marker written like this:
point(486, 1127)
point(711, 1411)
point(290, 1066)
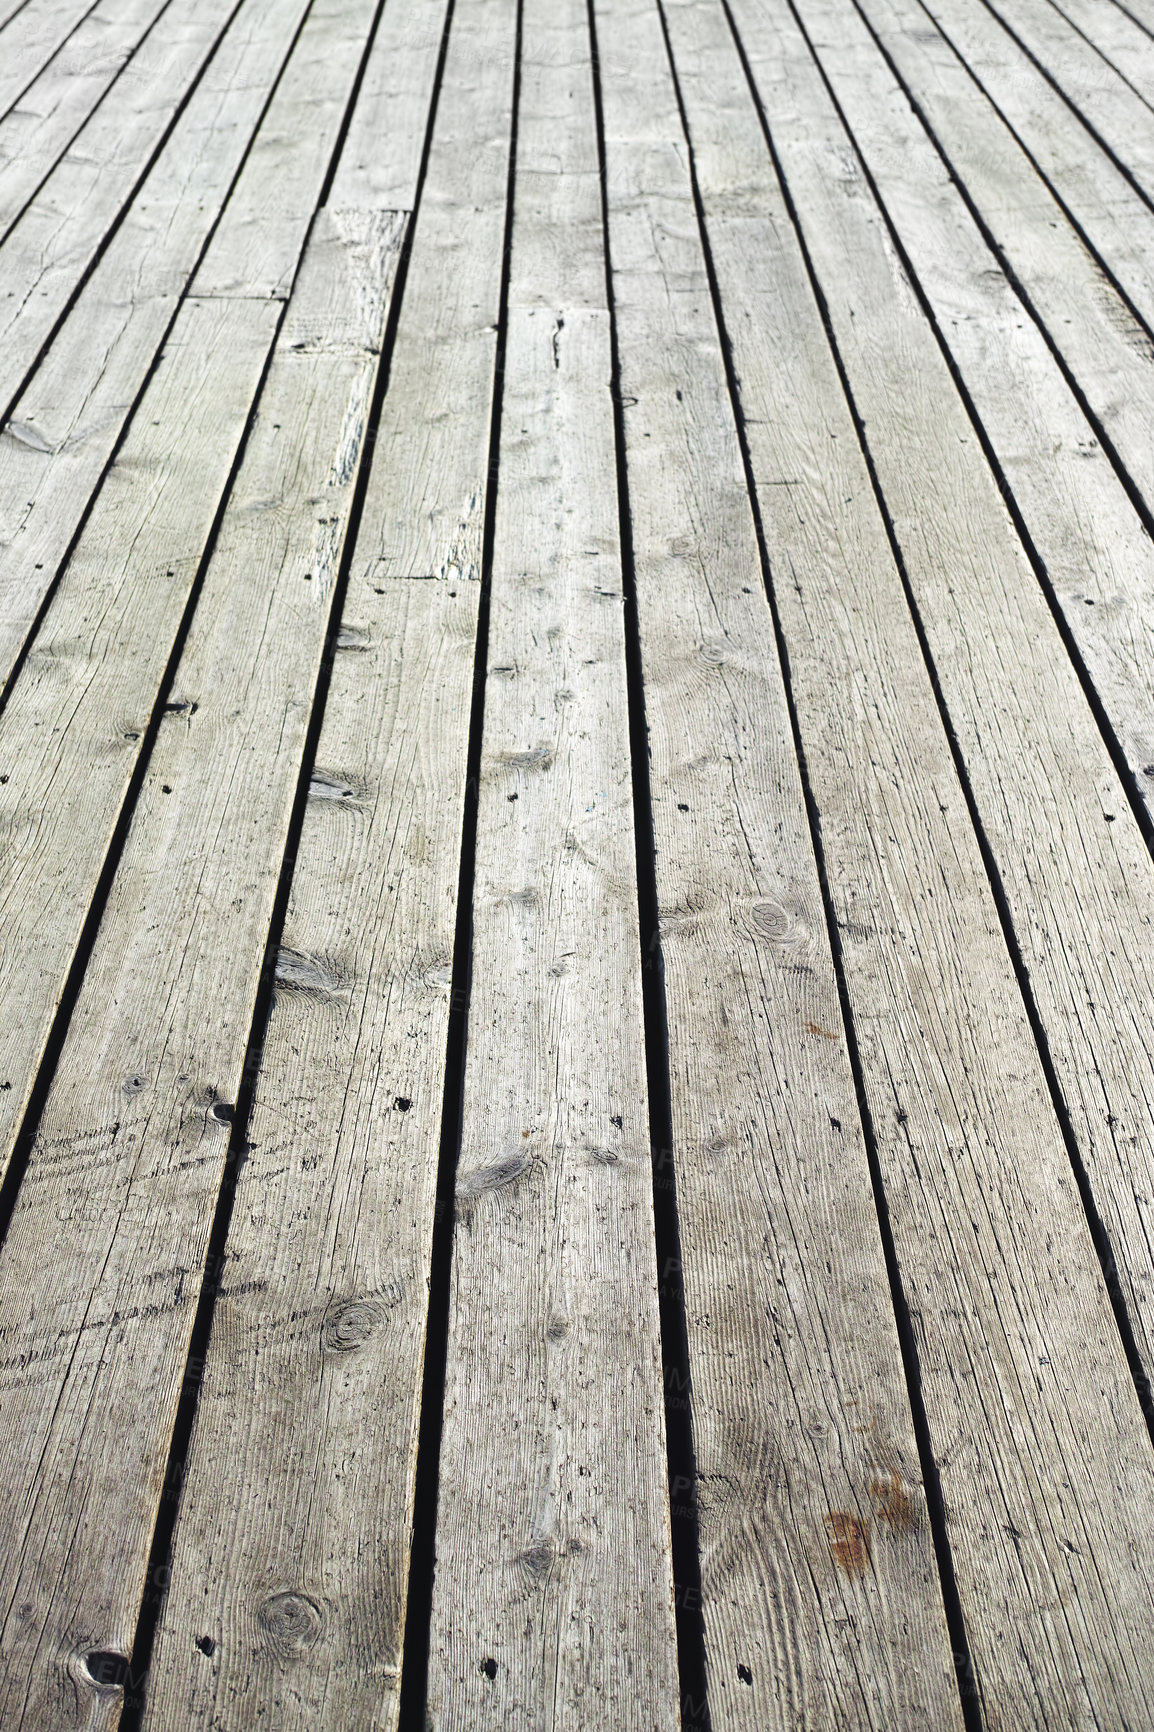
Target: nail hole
point(207, 1646)
point(745, 1674)
point(489, 1667)
point(402, 1103)
point(224, 1112)
point(681, 806)
point(107, 1669)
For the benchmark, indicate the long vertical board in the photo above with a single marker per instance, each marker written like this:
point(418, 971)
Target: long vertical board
point(553, 1590)
point(1021, 1368)
point(321, 1319)
point(71, 733)
point(1098, 559)
point(131, 1144)
point(67, 422)
point(820, 1586)
point(1073, 864)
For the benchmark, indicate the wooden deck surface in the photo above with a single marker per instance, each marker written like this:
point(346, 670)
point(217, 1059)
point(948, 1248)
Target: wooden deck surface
point(576, 900)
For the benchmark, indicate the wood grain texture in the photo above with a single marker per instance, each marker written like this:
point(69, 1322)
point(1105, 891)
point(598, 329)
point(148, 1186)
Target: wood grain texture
point(553, 1591)
point(1041, 1446)
point(49, 250)
point(1098, 559)
point(1117, 36)
point(1071, 859)
point(66, 423)
point(35, 133)
point(313, 1374)
point(381, 155)
point(131, 1145)
point(29, 40)
point(1111, 360)
point(1113, 217)
point(801, 1422)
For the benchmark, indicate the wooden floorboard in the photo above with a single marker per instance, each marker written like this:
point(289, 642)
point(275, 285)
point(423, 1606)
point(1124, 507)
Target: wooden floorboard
point(576, 884)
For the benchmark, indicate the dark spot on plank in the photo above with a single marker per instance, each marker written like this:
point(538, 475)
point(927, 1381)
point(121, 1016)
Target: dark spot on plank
point(323, 786)
point(681, 806)
point(402, 1103)
point(745, 1674)
point(489, 1667)
point(617, 1120)
point(134, 1084)
point(836, 1123)
point(181, 707)
point(893, 1504)
point(223, 1112)
point(849, 1542)
point(816, 1028)
point(207, 1646)
point(165, 789)
point(510, 798)
point(107, 1669)
point(350, 1325)
point(128, 736)
point(292, 1620)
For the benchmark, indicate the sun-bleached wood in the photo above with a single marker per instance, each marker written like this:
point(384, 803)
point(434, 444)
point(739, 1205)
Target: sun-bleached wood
point(360, 1015)
point(1073, 864)
point(28, 42)
point(1102, 97)
point(553, 1590)
point(39, 129)
point(65, 425)
point(1117, 37)
point(1099, 562)
point(1021, 1367)
point(788, 1306)
point(381, 155)
point(1090, 325)
point(72, 728)
point(1112, 216)
point(131, 1144)
point(62, 229)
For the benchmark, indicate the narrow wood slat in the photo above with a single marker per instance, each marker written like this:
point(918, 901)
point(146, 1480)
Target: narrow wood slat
point(29, 36)
point(820, 1582)
point(323, 1307)
point(1098, 558)
point(1114, 218)
point(70, 734)
point(1109, 104)
point(553, 1592)
point(53, 245)
point(66, 424)
point(131, 1145)
point(35, 134)
point(1090, 325)
point(1041, 1446)
point(1071, 859)
point(1117, 37)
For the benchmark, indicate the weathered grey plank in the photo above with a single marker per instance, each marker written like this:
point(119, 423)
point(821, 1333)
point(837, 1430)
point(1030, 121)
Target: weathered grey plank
point(71, 732)
point(130, 1148)
point(1117, 37)
point(1112, 361)
point(553, 1592)
point(60, 232)
point(1117, 112)
point(1022, 1371)
point(1098, 558)
point(66, 423)
point(35, 133)
point(1114, 219)
point(29, 39)
point(361, 1012)
point(820, 1582)
point(1072, 862)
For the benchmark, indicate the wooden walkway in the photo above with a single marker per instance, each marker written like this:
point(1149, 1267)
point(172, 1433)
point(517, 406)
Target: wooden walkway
point(576, 899)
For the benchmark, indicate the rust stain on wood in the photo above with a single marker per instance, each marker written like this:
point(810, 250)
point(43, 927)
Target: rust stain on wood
point(849, 1541)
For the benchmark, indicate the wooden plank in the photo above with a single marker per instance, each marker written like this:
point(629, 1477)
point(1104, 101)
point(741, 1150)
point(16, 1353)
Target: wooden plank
point(1112, 360)
point(71, 732)
point(361, 1011)
point(66, 424)
point(1113, 218)
point(29, 36)
point(773, 1183)
point(553, 1591)
point(1071, 859)
point(1021, 1368)
point(1108, 103)
point(1117, 37)
point(36, 133)
point(60, 233)
point(1098, 558)
point(131, 1145)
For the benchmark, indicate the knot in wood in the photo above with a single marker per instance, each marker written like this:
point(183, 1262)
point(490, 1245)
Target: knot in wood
point(292, 1620)
point(350, 1326)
